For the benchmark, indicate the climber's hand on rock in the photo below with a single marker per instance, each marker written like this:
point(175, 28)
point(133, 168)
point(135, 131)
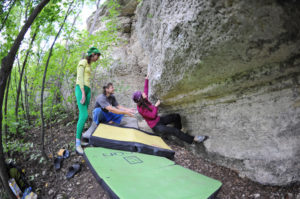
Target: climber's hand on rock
point(157, 103)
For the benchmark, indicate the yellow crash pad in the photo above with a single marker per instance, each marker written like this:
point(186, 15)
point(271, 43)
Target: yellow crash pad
point(130, 139)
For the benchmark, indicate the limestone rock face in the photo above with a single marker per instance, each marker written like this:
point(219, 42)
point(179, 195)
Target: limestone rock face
point(232, 69)
point(128, 7)
point(129, 60)
point(126, 73)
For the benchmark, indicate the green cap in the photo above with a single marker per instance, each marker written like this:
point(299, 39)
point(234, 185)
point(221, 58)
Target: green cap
point(93, 50)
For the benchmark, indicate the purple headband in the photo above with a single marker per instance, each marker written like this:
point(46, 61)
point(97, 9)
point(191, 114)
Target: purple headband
point(136, 96)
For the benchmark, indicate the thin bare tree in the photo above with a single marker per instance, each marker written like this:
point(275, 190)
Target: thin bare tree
point(44, 79)
point(21, 76)
point(95, 17)
point(5, 110)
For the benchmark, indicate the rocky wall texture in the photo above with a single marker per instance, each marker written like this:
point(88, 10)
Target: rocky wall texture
point(232, 69)
point(129, 59)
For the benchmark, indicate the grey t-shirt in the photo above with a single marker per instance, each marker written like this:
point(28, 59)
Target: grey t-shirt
point(103, 101)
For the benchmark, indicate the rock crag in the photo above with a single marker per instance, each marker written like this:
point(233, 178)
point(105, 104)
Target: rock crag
point(230, 68)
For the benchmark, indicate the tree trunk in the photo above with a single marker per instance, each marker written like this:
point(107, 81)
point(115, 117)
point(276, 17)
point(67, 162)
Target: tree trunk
point(26, 100)
point(95, 18)
point(6, 67)
point(27, 8)
point(5, 110)
point(21, 92)
point(63, 64)
point(21, 76)
point(17, 121)
point(44, 79)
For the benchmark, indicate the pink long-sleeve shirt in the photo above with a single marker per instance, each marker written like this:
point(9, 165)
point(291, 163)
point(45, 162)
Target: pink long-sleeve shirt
point(151, 117)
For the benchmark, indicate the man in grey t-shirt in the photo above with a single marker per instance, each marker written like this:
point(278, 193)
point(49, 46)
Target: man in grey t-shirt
point(108, 110)
point(111, 111)
point(103, 101)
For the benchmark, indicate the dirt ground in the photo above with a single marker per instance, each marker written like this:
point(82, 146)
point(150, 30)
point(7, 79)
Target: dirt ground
point(51, 184)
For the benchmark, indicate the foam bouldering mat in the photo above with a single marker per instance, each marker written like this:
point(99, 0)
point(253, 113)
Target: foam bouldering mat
point(130, 139)
point(131, 175)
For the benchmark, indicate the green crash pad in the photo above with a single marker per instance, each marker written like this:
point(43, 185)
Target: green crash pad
point(132, 175)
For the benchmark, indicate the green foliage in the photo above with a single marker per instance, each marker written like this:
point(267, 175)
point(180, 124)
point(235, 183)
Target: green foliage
point(17, 146)
point(149, 15)
point(61, 73)
point(72, 145)
point(121, 87)
point(10, 28)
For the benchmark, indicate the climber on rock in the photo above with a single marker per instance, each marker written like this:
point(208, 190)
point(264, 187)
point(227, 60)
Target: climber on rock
point(159, 124)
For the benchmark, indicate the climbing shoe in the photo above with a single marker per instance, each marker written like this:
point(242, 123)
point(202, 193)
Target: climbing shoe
point(75, 168)
point(58, 162)
point(200, 138)
point(86, 135)
point(79, 150)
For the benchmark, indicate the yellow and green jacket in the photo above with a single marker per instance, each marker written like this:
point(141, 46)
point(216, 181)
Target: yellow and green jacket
point(84, 74)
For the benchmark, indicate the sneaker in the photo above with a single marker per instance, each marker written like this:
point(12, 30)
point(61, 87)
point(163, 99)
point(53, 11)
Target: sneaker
point(84, 142)
point(183, 130)
point(79, 150)
point(200, 138)
point(90, 131)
